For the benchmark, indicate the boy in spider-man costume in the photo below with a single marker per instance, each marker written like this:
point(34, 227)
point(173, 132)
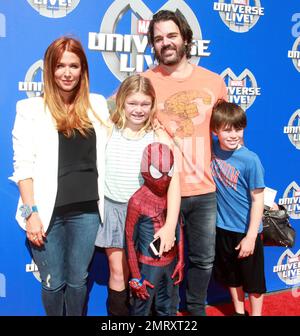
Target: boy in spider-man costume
point(146, 214)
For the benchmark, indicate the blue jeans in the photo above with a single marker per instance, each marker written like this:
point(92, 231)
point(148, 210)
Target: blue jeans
point(199, 214)
point(64, 259)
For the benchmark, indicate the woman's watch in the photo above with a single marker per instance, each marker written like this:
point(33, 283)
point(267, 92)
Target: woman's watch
point(27, 210)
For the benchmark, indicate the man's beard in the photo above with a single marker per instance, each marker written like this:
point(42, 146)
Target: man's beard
point(180, 52)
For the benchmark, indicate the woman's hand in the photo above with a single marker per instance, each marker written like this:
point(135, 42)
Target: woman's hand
point(35, 230)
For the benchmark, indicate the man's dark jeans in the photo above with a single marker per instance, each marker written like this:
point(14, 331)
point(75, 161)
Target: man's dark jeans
point(200, 229)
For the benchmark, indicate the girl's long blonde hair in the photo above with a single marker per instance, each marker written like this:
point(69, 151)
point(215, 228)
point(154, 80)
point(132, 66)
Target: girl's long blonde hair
point(131, 85)
point(76, 118)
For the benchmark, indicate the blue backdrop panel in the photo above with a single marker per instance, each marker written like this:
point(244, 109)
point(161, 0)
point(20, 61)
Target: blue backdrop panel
point(253, 44)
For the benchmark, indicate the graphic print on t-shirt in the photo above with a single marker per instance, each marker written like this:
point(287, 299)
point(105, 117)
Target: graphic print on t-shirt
point(226, 173)
point(186, 114)
point(186, 109)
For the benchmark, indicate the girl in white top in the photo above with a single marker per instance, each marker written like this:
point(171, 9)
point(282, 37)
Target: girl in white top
point(132, 130)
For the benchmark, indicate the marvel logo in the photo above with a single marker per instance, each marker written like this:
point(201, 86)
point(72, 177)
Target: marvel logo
point(234, 82)
point(241, 2)
point(142, 26)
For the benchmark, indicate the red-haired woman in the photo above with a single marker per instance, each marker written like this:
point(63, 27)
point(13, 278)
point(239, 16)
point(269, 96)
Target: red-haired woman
point(59, 141)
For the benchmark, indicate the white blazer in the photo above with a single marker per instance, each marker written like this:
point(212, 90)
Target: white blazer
point(35, 144)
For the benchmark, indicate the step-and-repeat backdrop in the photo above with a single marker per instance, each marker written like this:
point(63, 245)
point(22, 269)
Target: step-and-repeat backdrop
point(253, 44)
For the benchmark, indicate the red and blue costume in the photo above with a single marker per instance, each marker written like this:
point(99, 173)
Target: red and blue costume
point(153, 276)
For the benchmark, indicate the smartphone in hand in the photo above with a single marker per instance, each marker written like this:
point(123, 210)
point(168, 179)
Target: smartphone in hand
point(155, 246)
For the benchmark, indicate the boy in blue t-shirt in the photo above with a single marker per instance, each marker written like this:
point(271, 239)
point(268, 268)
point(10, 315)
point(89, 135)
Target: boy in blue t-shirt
point(239, 178)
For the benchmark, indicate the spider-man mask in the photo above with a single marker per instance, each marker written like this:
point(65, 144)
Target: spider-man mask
point(157, 167)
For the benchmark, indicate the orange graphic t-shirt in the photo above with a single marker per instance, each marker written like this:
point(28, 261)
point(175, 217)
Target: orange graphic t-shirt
point(184, 109)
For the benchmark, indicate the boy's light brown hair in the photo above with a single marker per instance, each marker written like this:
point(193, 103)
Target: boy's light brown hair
point(226, 114)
